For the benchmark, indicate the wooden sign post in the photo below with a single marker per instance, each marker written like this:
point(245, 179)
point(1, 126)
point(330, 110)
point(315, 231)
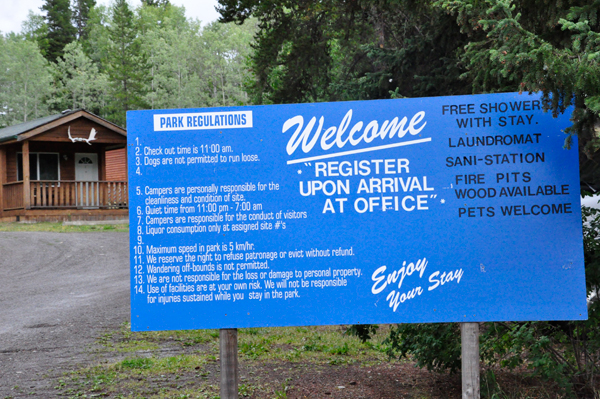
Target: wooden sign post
point(469, 334)
point(229, 363)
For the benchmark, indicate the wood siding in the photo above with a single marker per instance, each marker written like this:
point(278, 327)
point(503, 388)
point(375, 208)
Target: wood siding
point(11, 162)
point(81, 128)
point(116, 165)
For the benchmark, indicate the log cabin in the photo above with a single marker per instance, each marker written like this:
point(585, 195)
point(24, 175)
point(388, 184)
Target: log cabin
point(76, 169)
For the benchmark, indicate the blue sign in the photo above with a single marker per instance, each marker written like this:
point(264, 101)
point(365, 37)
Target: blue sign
point(447, 209)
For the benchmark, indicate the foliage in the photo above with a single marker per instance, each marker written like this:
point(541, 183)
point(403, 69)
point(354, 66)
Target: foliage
point(364, 332)
point(121, 58)
point(81, 16)
point(227, 47)
point(154, 18)
point(25, 81)
point(156, 3)
point(35, 29)
point(365, 49)
point(175, 70)
point(79, 84)
point(540, 346)
point(60, 30)
point(339, 50)
point(567, 353)
point(434, 346)
point(591, 250)
point(125, 63)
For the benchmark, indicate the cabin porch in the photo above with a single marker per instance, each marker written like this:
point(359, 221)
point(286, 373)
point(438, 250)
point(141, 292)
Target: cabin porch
point(71, 166)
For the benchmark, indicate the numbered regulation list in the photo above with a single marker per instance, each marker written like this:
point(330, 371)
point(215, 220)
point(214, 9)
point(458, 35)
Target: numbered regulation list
point(205, 267)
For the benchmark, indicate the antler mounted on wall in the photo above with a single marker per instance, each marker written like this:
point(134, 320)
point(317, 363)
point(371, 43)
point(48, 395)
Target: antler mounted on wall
point(92, 137)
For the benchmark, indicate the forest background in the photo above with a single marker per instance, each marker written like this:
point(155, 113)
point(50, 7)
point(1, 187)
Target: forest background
point(111, 59)
point(118, 58)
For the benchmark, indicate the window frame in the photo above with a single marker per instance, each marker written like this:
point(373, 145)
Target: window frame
point(37, 164)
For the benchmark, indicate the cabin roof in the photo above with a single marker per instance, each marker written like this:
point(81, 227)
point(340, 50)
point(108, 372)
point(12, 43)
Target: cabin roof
point(32, 128)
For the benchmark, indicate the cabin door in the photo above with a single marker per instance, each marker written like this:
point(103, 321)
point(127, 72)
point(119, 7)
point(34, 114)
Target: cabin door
point(86, 174)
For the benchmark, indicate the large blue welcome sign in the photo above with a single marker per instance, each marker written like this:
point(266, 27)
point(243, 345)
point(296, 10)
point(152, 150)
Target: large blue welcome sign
point(417, 210)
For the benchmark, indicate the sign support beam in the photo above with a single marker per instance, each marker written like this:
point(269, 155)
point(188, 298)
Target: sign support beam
point(229, 363)
point(469, 334)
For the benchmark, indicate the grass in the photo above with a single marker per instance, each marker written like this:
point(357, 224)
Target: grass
point(315, 344)
point(60, 228)
point(274, 363)
point(184, 364)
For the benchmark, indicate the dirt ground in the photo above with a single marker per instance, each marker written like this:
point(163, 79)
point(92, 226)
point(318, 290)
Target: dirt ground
point(60, 293)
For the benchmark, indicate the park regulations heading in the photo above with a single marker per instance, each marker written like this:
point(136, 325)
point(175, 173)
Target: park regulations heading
point(445, 209)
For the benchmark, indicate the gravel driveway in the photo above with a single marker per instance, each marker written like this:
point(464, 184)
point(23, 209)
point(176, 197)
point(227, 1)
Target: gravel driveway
point(58, 293)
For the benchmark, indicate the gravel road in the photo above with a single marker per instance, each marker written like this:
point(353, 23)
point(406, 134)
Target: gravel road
point(58, 293)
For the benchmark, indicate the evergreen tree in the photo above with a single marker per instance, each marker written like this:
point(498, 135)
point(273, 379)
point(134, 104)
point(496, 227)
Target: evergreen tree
point(367, 49)
point(60, 29)
point(79, 83)
point(350, 50)
point(125, 63)
point(156, 3)
point(81, 15)
point(360, 49)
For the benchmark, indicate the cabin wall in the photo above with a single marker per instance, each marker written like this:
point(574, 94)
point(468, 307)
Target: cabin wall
point(66, 154)
point(116, 165)
point(112, 166)
point(11, 162)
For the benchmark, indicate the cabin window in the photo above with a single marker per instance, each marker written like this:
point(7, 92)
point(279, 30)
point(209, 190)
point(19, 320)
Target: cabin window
point(42, 166)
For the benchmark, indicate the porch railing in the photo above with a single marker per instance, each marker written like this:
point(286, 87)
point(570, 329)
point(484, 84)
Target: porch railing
point(79, 194)
point(67, 194)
